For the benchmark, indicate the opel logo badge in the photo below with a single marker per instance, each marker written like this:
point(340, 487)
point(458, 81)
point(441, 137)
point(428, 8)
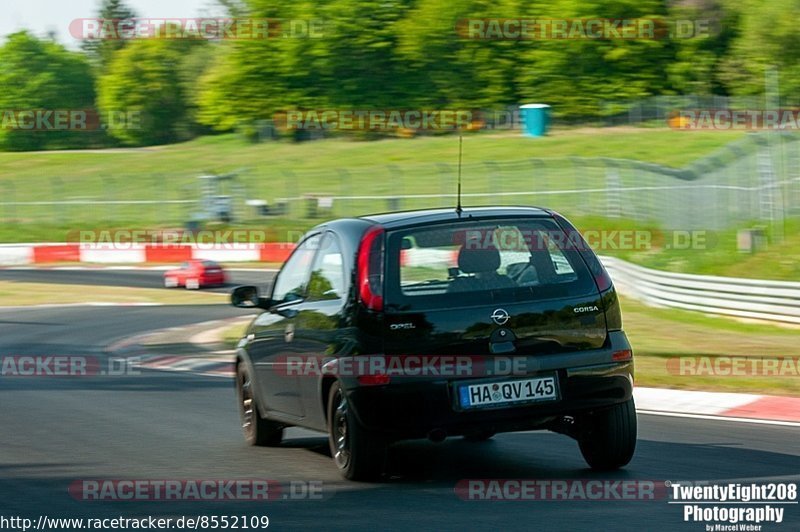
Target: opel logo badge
point(500, 316)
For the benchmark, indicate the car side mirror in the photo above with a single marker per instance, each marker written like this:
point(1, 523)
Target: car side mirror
point(247, 297)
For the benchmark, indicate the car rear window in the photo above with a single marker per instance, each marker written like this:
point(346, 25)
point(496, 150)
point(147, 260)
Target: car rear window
point(470, 263)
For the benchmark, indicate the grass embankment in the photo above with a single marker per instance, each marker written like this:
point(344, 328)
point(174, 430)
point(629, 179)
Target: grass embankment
point(660, 334)
point(14, 293)
point(225, 153)
point(338, 167)
point(169, 172)
point(716, 254)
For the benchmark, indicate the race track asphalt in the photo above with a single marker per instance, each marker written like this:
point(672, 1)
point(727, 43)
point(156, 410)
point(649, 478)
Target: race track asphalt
point(55, 431)
point(133, 277)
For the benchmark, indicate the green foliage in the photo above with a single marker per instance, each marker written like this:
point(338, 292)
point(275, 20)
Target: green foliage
point(148, 78)
point(379, 54)
point(42, 75)
point(698, 62)
point(767, 37)
point(581, 77)
point(101, 50)
point(449, 69)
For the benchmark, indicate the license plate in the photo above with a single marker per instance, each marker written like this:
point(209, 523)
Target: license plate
point(508, 392)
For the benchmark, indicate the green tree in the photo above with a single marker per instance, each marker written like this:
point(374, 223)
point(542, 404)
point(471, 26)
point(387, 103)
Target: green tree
point(145, 79)
point(768, 36)
point(586, 77)
point(101, 50)
point(193, 66)
point(246, 81)
point(695, 68)
point(43, 75)
point(351, 64)
point(356, 60)
point(451, 69)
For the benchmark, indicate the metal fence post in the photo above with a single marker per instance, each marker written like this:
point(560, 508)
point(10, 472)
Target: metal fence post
point(157, 180)
point(240, 192)
point(495, 180)
point(187, 193)
point(345, 181)
point(794, 180)
point(767, 199)
point(578, 171)
point(397, 180)
point(732, 177)
point(613, 184)
point(9, 198)
point(57, 190)
point(290, 186)
point(239, 210)
point(447, 182)
point(538, 176)
point(108, 195)
point(178, 206)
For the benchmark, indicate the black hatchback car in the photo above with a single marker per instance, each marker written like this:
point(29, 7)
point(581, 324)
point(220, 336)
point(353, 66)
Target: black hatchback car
point(438, 323)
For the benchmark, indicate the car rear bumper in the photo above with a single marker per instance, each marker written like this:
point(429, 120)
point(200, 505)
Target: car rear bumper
point(407, 408)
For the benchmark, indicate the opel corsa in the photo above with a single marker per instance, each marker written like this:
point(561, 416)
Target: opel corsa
point(434, 324)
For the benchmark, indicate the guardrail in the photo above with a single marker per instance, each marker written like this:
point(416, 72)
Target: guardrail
point(730, 296)
point(777, 301)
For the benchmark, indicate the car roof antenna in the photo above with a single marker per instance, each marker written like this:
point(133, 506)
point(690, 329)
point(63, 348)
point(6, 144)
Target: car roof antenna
point(459, 210)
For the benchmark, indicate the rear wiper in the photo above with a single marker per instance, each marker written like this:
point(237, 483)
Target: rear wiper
point(429, 281)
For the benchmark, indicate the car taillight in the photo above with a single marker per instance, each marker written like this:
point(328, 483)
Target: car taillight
point(379, 379)
point(370, 269)
point(574, 238)
point(619, 356)
point(601, 276)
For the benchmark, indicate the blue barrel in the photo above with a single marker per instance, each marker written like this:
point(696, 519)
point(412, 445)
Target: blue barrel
point(535, 119)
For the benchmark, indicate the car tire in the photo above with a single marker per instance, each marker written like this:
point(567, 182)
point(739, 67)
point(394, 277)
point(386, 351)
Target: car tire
point(358, 454)
point(482, 435)
point(170, 282)
point(608, 437)
point(257, 430)
point(192, 284)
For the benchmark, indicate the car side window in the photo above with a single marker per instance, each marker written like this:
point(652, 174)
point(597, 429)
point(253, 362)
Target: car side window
point(290, 285)
point(327, 275)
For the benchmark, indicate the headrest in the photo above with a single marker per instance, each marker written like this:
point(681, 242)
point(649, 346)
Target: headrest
point(486, 259)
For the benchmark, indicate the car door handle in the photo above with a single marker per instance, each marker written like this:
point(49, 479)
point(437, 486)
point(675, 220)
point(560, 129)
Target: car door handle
point(287, 312)
point(288, 334)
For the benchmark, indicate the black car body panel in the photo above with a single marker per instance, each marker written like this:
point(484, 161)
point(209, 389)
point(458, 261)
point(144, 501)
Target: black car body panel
point(570, 330)
point(412, 408)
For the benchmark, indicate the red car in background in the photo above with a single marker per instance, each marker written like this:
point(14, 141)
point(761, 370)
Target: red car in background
point(194, 274)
